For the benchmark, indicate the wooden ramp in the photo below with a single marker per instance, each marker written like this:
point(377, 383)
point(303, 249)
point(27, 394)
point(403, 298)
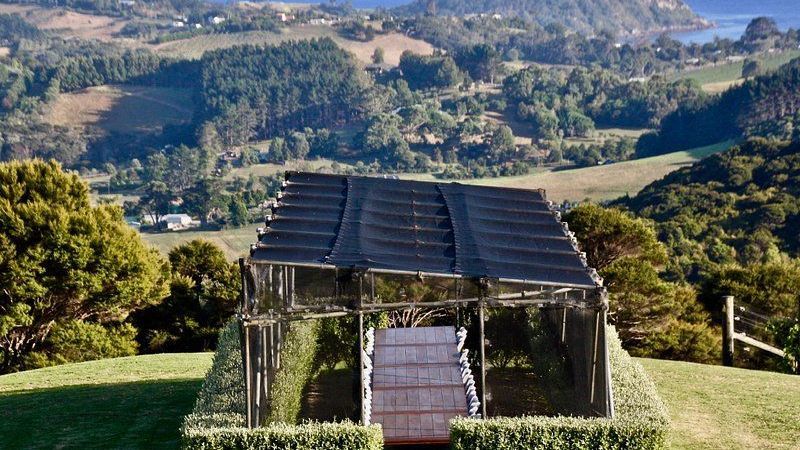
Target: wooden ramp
point(416, 386)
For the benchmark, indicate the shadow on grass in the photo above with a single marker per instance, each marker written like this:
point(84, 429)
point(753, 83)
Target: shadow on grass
point(143, 414)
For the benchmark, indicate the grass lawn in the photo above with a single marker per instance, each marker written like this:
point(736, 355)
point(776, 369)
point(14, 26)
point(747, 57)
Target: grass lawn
point(138, 402)
point(713, 407)
point(235, 242)
point(135, 402)
point(598, 183)
point(715, 78)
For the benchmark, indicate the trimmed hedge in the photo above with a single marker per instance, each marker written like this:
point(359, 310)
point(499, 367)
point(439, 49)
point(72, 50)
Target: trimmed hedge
point(297, 370)
point(218, 419)
point(310, 436)
point(641, 420)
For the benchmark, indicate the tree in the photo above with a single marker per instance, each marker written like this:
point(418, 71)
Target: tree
point(653, 317)
point(204, 294)
point(155, 201)
point(203, 198)
point(480, 61)
point(298, 146)
point(608, 234)
point(237, 124)
point(760, 28)
point(62, 260)
point(237, 212)
point(378, 55)
point(751, 68)
point(277, 150)
point(208, 138)
point(772, 288)
point(76, 341)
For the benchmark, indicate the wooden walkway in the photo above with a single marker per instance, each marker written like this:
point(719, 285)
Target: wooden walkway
point(416, 385)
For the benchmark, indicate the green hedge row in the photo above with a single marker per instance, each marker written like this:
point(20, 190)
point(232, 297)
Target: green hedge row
point(641, 420)
point(218, 419)
point(297, 369)
point(309, 436)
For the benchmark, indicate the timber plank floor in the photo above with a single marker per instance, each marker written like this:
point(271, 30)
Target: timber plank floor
point(417, 385)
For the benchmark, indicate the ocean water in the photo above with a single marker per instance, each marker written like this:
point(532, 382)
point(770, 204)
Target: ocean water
point(732, 17)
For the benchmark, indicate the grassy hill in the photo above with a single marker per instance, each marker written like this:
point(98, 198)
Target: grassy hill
point(122, 109)
point(393, 44)
point(600, 183)
point(722, 76)
point(138, 402)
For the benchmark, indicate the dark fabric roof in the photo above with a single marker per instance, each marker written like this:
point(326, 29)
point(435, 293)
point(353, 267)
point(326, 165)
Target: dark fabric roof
point(444, 228)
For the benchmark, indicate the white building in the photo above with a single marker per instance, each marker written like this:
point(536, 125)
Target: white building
point(216, 20)
point(174, 222)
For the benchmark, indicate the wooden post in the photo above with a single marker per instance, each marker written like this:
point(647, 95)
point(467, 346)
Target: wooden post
point(361, 364)
point(727, 338)
point(247, 376)
point(483, 358)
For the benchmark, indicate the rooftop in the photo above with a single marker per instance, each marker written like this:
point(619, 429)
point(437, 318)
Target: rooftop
point(435, 229)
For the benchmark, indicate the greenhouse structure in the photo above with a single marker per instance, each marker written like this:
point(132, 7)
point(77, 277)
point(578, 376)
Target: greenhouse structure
point(337, 245)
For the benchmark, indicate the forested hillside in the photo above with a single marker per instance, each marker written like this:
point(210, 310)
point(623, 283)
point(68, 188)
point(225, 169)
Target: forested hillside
point(741, 206)
point(632, 16)
point(257, 91)
point(768, 105)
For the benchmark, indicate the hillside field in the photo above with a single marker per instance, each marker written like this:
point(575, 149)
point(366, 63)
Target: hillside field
point(235, 242)
point(599, 183)
point(138, 402)
point(393, 44)
point(68, 23)
point(722, 76)
point(122, 109)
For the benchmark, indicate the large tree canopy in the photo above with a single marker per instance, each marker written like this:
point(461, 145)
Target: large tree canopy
point(653, 317)
point(63, 260)
point(204, 293)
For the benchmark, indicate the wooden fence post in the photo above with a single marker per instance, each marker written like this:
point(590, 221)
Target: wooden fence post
point(727, 338)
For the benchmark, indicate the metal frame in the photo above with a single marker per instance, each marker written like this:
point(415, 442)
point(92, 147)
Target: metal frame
point(259, 372)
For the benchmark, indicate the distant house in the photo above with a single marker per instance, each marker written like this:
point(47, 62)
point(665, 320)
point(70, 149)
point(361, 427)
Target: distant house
point(178, 24)
point(283, 17)
point(378, 68)
point(216, 20)
point(174, 222)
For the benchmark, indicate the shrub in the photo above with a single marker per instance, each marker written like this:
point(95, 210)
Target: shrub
point(223, 388)
point(317, 436)
point(77, 341)
point(218, 419)
point(297, 364)
point(640, 420)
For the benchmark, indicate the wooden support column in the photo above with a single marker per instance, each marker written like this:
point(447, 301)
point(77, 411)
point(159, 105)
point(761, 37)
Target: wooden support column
point(361, 364)
point(483, 357)
point(728, 333)
point(247, 376)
